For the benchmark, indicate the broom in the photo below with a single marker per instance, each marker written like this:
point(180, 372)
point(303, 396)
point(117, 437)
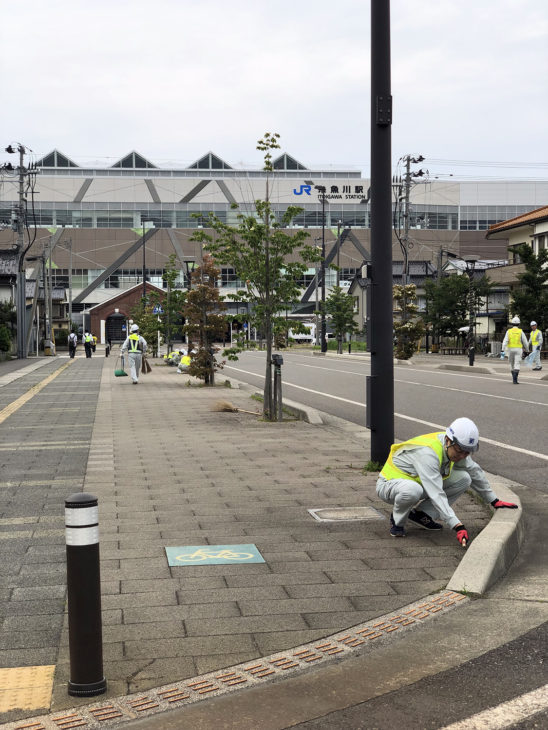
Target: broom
point(227, 407)
point(119, 372)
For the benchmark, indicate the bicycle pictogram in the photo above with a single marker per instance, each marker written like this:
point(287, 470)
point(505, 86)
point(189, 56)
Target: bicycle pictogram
point(205, 554)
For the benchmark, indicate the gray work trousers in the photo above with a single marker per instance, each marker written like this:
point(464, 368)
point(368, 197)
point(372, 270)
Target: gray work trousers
point(405, 494)
point(514, 357)
point(135, 359)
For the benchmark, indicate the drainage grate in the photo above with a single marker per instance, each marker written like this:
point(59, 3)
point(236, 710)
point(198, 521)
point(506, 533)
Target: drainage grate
point(345, 514)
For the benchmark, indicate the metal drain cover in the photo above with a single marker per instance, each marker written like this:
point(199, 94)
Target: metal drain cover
point(345, 514)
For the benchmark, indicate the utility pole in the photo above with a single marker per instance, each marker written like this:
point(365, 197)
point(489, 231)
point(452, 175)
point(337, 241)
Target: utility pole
point(339, 224)
point(19, 225)
point(380, 384)
point(407, 182)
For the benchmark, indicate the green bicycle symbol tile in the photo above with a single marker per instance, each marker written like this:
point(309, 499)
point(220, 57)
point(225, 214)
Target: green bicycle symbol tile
point(213, 555)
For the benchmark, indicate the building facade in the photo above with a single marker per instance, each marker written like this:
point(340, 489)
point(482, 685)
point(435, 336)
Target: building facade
point(103, 228)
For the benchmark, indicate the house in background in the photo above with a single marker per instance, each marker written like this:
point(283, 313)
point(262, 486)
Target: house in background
point(530, 228)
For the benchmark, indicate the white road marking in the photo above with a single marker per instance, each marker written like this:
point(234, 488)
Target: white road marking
point(436, 426)
point(431, 385)
point(506, 714)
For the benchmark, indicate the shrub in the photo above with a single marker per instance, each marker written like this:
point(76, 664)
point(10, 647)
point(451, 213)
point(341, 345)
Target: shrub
point(5, 339)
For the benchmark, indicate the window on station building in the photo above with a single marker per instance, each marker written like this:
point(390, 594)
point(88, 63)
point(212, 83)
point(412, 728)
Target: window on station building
point(134, 161)
point(286, 162)
point(55, 159)
point(210, 162)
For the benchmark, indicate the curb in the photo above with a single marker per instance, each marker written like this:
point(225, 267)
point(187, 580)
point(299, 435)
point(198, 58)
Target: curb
point(466, 368)
point(492, 552)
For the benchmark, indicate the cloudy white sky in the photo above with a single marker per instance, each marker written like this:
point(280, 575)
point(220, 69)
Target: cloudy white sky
point(174, 79)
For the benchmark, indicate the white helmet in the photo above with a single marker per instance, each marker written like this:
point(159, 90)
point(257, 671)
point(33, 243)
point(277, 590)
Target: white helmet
point(464, 433)
point(515, 320)
point(134, 328)
point(533, 324)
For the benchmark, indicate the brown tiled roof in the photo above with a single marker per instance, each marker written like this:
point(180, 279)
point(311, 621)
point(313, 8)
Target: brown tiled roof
point(533, 216)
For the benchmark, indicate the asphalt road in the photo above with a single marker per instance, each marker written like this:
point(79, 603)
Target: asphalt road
point(511, 420)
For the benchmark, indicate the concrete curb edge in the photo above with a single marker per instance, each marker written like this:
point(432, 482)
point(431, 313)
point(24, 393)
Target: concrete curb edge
point(492, 552)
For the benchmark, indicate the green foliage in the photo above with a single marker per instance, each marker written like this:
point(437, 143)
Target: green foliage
point(8, 314)
point(5, 338)
point(448, 302)
point(530, 300)
point(204, 322)
point(340, 307)
point(270, 261)
point(61, 337)
point(410, 329)
point(171, 319)
point(372, 466)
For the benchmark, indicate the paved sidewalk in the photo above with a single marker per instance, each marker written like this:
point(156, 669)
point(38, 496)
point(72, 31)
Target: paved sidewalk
point(170, 471)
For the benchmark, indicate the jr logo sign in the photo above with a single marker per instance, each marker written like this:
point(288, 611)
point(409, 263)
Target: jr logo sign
point(303, 189)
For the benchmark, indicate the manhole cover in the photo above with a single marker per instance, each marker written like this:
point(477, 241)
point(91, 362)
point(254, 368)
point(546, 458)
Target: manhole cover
point(345, 514)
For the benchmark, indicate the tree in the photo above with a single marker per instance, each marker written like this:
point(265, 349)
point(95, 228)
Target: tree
point(409, 329)
point(171, 324)
point(530, 300)
point(268, 259)
point(448, 302)
point(204, 322)
point(5, 338)
point(339, 305)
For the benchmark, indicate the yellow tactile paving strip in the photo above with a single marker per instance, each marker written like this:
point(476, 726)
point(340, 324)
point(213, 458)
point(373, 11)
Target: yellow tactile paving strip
point(31, 392)
point(122, 709)
point(26, 688)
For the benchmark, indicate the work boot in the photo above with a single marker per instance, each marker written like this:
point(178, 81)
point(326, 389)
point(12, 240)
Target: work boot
point(515, 377)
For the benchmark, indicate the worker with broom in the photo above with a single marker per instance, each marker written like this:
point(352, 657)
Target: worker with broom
point(136, 346)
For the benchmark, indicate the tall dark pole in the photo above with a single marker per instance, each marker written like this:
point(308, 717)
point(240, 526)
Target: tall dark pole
point(144, 265)
point(323, 323)
point(380, 384)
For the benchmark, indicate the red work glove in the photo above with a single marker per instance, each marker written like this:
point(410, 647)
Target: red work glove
point(498, 504)
point(462, 534)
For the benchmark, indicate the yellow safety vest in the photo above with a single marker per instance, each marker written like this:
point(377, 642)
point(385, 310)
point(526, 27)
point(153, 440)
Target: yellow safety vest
point(514, 337)
point(534, 337)
point(134, 344)
point(391, 471)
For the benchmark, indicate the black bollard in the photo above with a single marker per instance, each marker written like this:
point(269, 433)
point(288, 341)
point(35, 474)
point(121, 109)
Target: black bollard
point(84, 596)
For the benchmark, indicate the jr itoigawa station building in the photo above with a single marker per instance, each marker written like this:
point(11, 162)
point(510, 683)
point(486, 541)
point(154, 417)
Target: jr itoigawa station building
point(107, 224)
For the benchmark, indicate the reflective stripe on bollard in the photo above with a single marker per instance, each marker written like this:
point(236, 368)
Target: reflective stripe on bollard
point(84, 596)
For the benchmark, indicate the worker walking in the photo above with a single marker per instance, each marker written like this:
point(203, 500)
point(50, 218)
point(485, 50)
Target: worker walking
point(72, 343)
point(431, 472)
point(514, 343)
point(88, 342)
point(136, 346)
point(535, 345)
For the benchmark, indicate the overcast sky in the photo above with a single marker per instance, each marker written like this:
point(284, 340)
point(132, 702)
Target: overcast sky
point(174, 79)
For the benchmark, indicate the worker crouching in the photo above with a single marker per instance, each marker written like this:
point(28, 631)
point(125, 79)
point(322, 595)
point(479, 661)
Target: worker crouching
point(431, 472)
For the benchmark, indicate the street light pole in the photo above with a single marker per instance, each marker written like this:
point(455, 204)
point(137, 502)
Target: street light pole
point(470, 266)
point(143, 221)
point(339, 224)
point(323, 343)
point(380, 384)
